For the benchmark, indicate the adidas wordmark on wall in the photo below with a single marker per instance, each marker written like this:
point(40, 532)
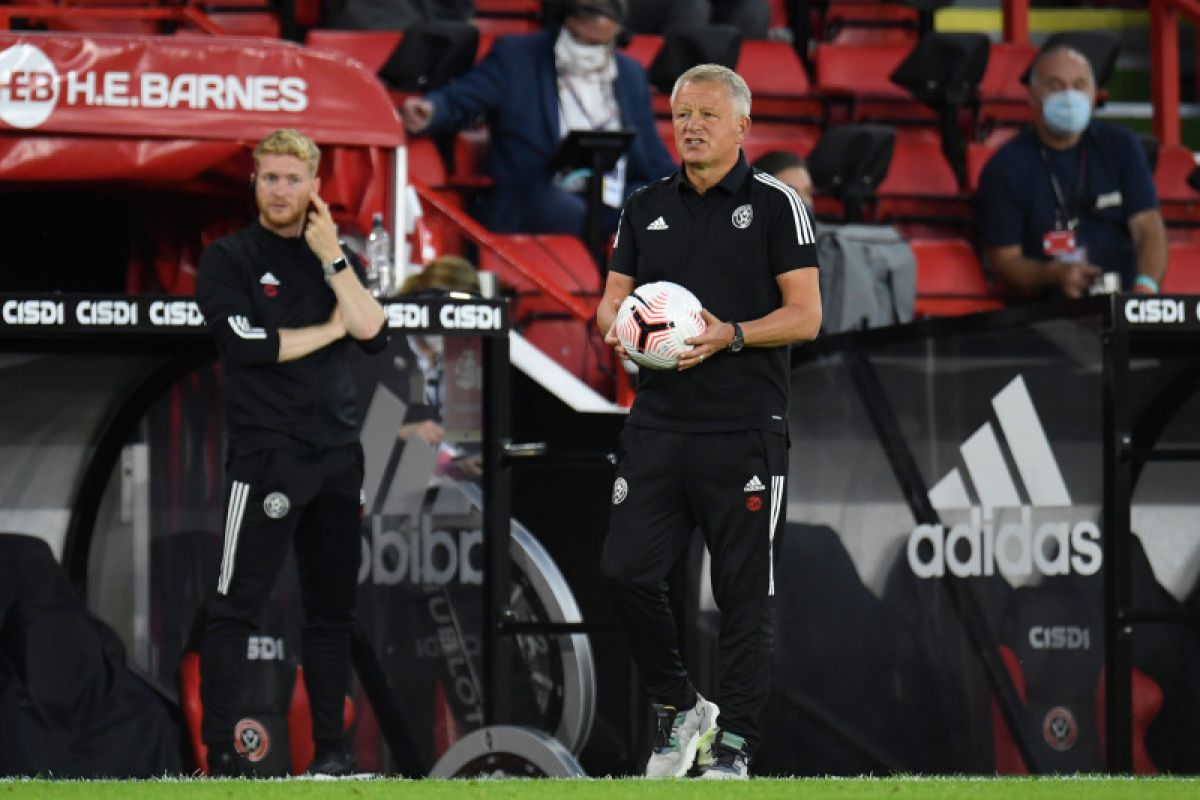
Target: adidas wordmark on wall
point(1016, 547)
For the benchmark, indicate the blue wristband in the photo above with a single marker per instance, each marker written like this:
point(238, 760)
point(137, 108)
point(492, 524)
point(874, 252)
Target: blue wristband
point(1147, 281)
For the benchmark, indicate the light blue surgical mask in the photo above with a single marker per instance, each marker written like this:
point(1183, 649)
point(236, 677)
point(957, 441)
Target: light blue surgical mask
point(1067, 112)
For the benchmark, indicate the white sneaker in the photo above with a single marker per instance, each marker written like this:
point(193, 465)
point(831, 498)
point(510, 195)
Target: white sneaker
point(679, 735)
point(726, 759)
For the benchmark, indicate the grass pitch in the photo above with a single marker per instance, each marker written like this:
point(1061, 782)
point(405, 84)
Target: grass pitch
point(1083, 787)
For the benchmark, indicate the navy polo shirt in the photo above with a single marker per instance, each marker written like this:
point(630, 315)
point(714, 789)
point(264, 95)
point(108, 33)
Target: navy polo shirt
point(727, 246)
point(1104, 179)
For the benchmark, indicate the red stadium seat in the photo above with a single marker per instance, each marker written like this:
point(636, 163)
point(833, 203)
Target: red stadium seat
point(505, 26)
point(370, 48)
point(643, 47)
point(574, 344)
point(559, 257)
point(1183, 268)
point(255, 23)
point(770, 135)
point(865, 22)
point(777, 81)
point(856, 82)
point(919, 182)
point(1180, 202)
point(950, 279)
point(1003, 99)
point(978, 154)
point(508, 7)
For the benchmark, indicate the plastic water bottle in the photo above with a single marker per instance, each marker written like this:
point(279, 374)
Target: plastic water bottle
point(379, 258)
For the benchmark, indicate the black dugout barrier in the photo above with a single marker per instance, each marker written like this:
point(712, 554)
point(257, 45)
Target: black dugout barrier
point(111, 436)
point(992, 546)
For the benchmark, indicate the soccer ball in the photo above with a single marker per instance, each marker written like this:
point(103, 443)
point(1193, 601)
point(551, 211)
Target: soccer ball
point(653, 322)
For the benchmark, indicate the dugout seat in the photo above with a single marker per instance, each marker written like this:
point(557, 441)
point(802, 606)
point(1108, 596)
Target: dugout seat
point(1183, 268)
point(950, 279)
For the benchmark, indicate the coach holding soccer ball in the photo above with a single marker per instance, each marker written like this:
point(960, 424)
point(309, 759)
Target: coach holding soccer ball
point(706, 443)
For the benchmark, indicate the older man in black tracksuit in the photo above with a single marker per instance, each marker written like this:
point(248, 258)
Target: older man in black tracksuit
point(705, 445)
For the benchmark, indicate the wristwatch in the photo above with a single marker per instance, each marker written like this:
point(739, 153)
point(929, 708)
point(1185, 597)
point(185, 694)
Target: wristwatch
point(738, 341)
point(335, 266)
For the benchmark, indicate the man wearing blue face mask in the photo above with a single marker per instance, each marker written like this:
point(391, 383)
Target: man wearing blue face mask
point(1072, 198)
point(534, 89)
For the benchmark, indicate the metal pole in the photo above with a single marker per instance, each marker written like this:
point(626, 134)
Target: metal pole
point(497, 511)
point(1117, 591)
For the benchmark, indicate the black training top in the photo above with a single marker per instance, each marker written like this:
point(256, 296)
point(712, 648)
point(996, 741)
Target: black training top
point(250, 284)
point(727, 246)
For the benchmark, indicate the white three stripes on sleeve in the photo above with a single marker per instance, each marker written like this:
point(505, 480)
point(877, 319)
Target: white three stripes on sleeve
point(233, 526)
point(804, 231)
point(241, 326)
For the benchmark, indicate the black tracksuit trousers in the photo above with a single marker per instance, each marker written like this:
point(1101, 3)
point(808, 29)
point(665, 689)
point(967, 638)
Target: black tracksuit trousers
point(730, 485)
point(276, 499)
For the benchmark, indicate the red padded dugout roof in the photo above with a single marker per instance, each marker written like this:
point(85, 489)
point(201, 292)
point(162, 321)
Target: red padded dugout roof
point(188, 87)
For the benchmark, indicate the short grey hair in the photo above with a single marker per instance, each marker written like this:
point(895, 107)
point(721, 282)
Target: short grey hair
point(715, 73)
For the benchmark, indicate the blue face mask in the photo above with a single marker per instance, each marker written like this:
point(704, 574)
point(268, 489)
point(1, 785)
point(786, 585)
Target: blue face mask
point(1067, 112)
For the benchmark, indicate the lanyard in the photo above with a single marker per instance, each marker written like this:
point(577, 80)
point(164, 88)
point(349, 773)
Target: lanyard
point(603, 124)
point(1069, 213)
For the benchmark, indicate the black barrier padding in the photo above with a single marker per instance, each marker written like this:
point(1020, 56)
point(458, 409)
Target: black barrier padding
point(1169, 655)
point(853, 691)
point(69, 707)
point(961, 703)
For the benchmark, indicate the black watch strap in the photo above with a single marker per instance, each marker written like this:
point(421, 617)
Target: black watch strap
point(738, 341)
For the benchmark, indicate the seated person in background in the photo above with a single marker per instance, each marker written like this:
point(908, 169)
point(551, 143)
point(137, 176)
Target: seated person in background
point(423, 417)
point(790, 168)
point(534, 89)
point(448, 273)
point(1071, 198)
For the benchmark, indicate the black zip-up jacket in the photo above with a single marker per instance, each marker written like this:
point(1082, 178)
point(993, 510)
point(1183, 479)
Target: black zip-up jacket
point(250, 284)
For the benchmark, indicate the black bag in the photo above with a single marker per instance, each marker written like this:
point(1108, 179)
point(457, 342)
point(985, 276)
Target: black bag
point(69, 707)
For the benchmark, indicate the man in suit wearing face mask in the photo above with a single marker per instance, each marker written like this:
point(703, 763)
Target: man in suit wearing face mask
point(1073, 197)
point(533, 90)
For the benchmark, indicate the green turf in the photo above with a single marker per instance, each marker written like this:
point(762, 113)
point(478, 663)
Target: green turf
point(1083, 787)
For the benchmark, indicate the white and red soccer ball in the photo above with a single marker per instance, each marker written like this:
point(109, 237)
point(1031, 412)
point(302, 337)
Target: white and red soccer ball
point(654, 321)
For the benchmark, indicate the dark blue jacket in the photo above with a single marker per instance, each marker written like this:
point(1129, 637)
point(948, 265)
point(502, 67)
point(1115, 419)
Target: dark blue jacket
point(515, 86)
point(1018, 205)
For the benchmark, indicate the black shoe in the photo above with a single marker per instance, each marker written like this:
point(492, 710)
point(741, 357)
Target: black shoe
point(228, 764)
point(333, 764)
